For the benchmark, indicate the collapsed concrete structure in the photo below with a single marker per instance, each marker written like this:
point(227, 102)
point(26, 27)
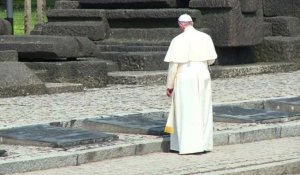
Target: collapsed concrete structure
point(109, 37)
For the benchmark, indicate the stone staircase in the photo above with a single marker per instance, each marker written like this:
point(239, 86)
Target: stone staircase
point(135, 35)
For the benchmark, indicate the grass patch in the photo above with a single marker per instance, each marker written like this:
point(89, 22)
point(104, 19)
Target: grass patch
point(19, 20)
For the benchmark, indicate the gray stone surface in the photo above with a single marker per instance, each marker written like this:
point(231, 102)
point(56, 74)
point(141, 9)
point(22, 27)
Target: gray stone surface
point(284, 25)
point(140, 77)
point(3, 153)
point(48, 47)
point(16, 79)
point(40, 163)
point(233, 24)
point(45, 135)
point(284, 104)
point(8, 55)
point(159, 77)
point(5, 27)
point(94, 30)
point(133, 124)
point(133, 61)
point(123, 18)
point(240, 115)
point(279, 49)
point(88, 73)
point(271, 157)
point(66, 5)
point(117, 4)
point(53, 88)
point(281, 8)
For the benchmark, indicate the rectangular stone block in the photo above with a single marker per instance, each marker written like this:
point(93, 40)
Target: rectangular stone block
point(94, 30)
point(239, 114)
point(88, 73)
point(16, 79)
point(233, 23)
point(284, 25)
point(260, 134)
point(45, 135)
point(8, 55)
point(48, 47)
point(292, 130)
point(5, 27)
point(40, 163)
point(221, 138)
point(117, 4)
point(281, 8)
point(66, 5)
point(279, 49)
point(284, 104)
point(123, 18)
point(133, 124)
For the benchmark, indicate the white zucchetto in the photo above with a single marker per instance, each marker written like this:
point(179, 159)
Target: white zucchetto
point(185, 18)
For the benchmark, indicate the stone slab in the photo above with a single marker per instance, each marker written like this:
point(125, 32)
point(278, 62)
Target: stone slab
point(284, 104)
point(281, 8)
point(117, 4)
point(279, 49)
point(124, 18)
point(133, 124)
point(94, 30)
point(53, 88)
point(138, 77)
point(48, 47)
point(88, 73)
point(284, 25)
point(8, 55)
point(45, 135)
point(234, 23)
point(17, 79)
point(159, 77)
point(66, 5)
point(5, 27)
point(141, 34)
point(137, 61)
point(246, 115)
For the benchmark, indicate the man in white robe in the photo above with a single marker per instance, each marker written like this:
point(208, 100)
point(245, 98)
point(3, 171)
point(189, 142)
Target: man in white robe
point(190, 120)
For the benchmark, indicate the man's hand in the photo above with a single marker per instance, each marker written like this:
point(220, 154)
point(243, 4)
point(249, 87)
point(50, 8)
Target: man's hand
point(169, 92)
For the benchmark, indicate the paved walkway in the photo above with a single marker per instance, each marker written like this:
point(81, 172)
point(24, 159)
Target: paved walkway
point(131, 99)
point(120, 99)
point(222, 158)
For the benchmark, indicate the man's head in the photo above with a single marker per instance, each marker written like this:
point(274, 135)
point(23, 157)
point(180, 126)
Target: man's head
point(184, 21)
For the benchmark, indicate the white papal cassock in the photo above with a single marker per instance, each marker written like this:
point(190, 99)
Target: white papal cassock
point(190, 120)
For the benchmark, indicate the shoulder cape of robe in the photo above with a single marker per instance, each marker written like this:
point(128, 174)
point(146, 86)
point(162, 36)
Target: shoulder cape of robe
point(191, 45)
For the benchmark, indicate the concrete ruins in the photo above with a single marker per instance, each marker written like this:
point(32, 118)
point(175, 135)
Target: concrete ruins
point(93, 43)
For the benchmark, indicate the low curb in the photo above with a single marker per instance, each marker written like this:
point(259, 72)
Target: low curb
point(145, 147)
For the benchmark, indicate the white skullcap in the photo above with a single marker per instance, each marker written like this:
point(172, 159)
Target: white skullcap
point(185, 18)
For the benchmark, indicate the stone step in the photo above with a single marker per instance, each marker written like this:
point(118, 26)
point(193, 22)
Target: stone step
point(236, 114)
point(16, 79)
point(94, 30)
point(284, 25)
point(8, 55)
point(137, 4)
point(124, 18)
point(284, 104)
point(51, 136)
point(124, 48)
point(39, 47)
point(278, 48)
point(89, 73)
point(136, 61)
point(153, 123)
point(131, 43)
point(53, 88)
point(159, 77)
